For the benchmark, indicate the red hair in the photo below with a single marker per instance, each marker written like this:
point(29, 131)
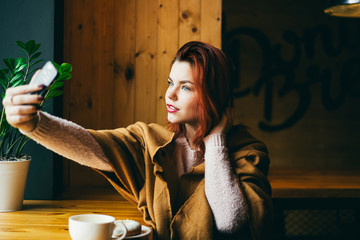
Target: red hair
point(212, 75)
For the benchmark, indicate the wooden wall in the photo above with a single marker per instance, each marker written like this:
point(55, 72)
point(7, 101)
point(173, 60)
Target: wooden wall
point(121, 52)
point(297, 85)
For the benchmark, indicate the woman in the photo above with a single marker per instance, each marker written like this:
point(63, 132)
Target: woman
point(199, 178)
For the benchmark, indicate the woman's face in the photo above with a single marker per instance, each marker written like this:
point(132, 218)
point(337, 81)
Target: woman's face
point(181, 95)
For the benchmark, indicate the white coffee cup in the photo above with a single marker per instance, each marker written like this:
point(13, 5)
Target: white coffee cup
point(95, 227)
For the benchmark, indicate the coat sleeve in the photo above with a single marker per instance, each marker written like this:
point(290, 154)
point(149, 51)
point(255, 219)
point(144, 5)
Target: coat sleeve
point(125, 149)
point(250, 162)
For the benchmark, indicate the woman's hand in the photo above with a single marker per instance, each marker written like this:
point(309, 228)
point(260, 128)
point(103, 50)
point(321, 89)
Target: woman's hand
point(21, 108)
point(225, 123)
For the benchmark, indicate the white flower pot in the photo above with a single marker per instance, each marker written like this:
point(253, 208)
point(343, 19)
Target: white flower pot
point(13, 175)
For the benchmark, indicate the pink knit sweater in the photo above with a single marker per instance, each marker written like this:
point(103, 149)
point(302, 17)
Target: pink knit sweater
point(222, 187)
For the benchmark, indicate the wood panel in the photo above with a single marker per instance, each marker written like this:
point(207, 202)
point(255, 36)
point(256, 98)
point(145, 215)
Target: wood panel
point(189, 27)
point(146, 50)
point(124, 64)
point(91, 47)
point(121, 53)
point(211, 22)
point(168, 39)
point(90, 96)
point(102, 63)
point(101, 26)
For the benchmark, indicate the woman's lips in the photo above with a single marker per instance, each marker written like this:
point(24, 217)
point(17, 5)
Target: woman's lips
point(171, 108)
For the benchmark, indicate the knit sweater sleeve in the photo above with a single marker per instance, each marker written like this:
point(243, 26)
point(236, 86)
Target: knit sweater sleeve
point(69, 140)
point(222, 186)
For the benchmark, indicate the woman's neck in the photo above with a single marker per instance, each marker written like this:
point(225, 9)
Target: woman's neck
point(189, 134)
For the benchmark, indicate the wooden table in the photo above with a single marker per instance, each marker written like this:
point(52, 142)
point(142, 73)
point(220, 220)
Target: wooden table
point(300, 192)
point(49, 219)
point(311, 184)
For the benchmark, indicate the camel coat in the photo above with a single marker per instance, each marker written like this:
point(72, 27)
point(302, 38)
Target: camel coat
point(178, 209)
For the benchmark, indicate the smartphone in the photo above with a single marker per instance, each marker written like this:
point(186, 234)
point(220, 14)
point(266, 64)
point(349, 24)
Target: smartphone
point(45, 77)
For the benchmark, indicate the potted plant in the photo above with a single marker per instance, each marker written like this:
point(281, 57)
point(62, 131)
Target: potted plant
point(14, 164)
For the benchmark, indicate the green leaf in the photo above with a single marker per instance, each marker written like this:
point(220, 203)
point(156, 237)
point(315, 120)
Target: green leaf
point(4, 127)
point(35, 48)
point(19, 61)
point(19, 151)
point(21, 45)
point(19, 82)
point(16, 77)
point(63, 76)
point(34, 70)
point(56, 66)
point(5, 71)
point(36, 55)
point(38, 61)
point(4, 75)
point(56, 86)
point(16, 81)
point(66, 67)
point(3, 85)
point(20, 68)
point(12, 146)
point(53, 94)
point(30, 45)
point(10, 63)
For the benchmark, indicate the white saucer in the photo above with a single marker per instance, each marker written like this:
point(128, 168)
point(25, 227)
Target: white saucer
point(144, 232)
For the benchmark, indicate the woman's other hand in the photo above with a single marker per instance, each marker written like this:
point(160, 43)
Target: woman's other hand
point(21, 107)
point(225, 123)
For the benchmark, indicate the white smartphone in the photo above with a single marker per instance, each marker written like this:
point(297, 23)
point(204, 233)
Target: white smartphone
point(45, 77)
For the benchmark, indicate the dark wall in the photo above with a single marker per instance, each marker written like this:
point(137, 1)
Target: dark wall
point(297, 83)
point(25, 20)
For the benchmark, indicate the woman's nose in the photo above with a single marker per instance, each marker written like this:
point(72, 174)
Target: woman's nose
point(171, 93)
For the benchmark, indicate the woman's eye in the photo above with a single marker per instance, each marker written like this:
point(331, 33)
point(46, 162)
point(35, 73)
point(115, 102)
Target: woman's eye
point(170, 83)
point(186, 88)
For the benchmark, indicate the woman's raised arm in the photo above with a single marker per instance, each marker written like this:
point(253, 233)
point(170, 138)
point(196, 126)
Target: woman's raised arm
point(63, 137)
